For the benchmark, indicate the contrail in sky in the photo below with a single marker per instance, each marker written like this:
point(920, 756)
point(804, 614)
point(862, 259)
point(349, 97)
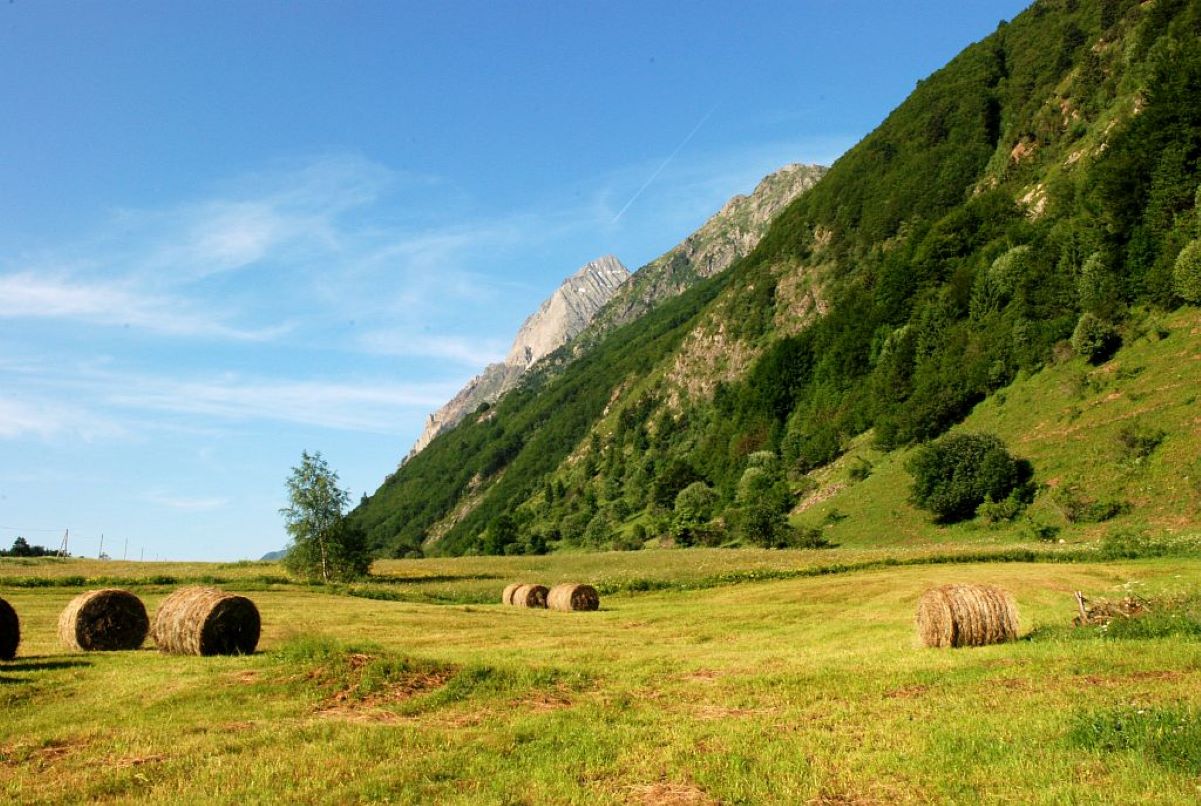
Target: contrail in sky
point(665, 163)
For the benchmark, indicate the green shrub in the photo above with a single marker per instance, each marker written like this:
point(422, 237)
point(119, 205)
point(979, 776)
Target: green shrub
point(762, 502)
point(1186, 277)
point(860, 469)
point(1097, 286)
point(809, 537)
point(1094, 339)
point(953, 475)
point(1037, 530)
point(693, 509)
point(1007, 509)
point(629, 541)
point(1080, 508)
point(1138, 442)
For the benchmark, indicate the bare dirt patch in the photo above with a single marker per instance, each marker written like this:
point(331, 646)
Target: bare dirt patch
point(907, 692)
point(20, 753)
point(669, 793)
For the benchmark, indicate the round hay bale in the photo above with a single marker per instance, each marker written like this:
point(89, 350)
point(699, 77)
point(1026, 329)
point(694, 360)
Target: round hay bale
point(530, 596)
point(506, 596)
point(570, 596)
point(966, 615)
point(103, 621)
point(10, 631)
point(206, 621)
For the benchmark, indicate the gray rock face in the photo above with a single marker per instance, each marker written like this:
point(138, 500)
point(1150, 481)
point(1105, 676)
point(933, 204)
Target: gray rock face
point(561, 317)
point(728, 236)
point(567, 311)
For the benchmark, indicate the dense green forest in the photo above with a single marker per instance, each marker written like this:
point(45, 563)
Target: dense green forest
point(1040, 187)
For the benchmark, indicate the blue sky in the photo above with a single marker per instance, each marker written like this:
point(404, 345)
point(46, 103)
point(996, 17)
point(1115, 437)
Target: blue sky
point(231, 232)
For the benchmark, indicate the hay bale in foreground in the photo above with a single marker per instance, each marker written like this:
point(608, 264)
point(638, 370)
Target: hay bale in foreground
point(10, 631)
point(103, 621)
point(966, 615)
point(529, 596)
point(570, 596)
point(206, 621)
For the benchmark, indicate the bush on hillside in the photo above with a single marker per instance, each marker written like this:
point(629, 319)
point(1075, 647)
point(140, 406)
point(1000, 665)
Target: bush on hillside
point(762, 502)
point(693, 509)
point(1097, 287)
point(1186, 277)
point(954, 475)
point(1094, 339)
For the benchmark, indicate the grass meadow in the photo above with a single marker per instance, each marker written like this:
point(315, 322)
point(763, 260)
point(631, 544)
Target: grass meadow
point(708, 676)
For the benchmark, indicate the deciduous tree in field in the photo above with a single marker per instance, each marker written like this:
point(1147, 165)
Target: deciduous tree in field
point(325, 545)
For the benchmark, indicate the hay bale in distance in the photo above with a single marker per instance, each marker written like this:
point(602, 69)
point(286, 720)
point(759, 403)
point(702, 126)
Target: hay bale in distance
point(966, 615)
point(570, 596)
point(529, 596)
point(206, 621)
point(10, 631)
point(506, 596)
point(103, 621)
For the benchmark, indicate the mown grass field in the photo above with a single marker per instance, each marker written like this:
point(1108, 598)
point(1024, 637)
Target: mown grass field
point(792, 690)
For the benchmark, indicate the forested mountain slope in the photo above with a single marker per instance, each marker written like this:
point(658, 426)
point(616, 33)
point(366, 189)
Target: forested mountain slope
point(1047, 172)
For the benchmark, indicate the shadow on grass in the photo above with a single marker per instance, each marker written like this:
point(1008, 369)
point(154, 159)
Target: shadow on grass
point(42, 663)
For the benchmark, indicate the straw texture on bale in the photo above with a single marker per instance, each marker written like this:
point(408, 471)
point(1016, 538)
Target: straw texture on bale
point(103, 621)
point(529, 596)
point(506, 596)
point(569, 596)
point(206, 621)
point(966, 615)
point(10, 631)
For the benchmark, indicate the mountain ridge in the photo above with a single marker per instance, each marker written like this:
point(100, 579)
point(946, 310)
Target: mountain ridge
point(1045, 175)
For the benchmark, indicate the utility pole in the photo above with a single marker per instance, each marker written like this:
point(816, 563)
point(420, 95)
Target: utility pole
point(62, 550)
point(100, 554)
point(125, 553)
point(142, 556)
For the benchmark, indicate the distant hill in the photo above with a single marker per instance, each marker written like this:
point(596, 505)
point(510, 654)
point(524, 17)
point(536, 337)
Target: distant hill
point(1045, 178)
point(273, 556)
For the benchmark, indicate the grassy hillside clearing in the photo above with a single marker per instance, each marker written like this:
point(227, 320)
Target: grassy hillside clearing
point(1079, 425)
point(788, 691)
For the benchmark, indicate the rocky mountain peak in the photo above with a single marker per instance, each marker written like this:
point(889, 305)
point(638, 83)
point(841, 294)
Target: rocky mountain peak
point(567, 311)
point(561, 316)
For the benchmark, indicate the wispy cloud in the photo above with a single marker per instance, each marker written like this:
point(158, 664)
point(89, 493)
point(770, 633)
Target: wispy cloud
point(362, 406)
point(45, 419)
point(274, 254)
point(464, 351)
point(148, 401)
point(27, 295)
point(186, 504)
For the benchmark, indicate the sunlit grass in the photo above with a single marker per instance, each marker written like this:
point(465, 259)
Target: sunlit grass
point(785, 690)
